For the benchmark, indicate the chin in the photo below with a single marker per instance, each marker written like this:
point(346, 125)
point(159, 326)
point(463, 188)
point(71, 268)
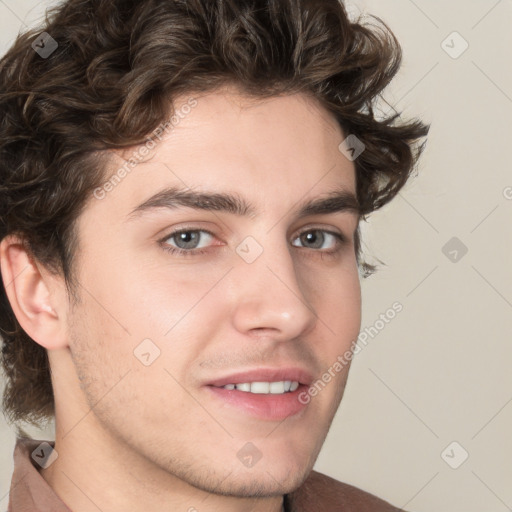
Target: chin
point(266, 481)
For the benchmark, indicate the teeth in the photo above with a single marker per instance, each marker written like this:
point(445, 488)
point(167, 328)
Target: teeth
point(260, 387)
point(277, 388)
point(265, 388)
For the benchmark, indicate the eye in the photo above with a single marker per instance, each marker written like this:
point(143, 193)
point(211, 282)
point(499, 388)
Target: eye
point(187, 241)
point(317, 238)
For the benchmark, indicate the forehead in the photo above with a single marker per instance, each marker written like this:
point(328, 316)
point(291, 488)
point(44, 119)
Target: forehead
point(280, 126)
point(273, 151)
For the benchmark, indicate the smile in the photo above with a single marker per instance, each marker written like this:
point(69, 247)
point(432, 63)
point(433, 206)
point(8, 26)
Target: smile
point(265, 388)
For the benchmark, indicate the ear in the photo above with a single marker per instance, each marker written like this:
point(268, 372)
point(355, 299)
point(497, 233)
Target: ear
point(37, 297)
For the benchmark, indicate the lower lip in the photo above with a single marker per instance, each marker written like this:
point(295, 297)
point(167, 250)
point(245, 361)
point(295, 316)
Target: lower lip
point(263, 406)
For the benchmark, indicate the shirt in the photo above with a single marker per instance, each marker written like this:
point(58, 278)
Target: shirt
point(29, 491)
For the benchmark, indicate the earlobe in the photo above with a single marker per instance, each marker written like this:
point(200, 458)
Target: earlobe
point(31, 293)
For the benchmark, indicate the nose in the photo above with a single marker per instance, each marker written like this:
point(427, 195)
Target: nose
point(268, 296)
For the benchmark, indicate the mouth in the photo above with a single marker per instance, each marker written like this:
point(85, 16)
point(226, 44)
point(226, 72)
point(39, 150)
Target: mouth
point(265, 394)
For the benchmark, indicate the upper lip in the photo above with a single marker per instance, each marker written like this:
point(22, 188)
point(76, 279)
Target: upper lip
point(295, 374)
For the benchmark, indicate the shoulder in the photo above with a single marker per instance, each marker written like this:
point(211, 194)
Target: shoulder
point(323, 493)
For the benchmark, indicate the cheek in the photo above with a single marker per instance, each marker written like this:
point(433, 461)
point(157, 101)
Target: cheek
point(158, 316)
point(144, 298)
point(351, 301)
point(172, 302)
point(336, 296)
point(115, 375)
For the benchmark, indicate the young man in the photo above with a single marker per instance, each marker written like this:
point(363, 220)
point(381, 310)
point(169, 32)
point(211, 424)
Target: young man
point(181, 187)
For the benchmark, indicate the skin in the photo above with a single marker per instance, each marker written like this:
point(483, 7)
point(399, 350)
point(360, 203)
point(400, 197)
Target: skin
point(131, 437)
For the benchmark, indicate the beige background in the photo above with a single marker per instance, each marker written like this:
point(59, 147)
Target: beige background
point(440, 371)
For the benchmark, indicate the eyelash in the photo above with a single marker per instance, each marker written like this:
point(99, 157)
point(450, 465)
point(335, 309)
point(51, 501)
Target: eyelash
point(341, 240)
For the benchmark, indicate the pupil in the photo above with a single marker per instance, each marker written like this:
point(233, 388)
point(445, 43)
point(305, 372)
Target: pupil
point(187, 238)
point(311, 237)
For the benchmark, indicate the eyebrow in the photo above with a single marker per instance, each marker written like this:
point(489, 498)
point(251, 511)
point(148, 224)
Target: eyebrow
point(173, 198)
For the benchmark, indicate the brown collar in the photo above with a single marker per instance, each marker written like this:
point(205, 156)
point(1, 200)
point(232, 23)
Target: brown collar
point(325, 494)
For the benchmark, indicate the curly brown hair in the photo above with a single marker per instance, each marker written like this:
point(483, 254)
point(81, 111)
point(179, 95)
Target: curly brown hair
point(118, 66)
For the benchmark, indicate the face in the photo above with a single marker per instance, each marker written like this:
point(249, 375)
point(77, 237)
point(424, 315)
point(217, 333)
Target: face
point(268, 292)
